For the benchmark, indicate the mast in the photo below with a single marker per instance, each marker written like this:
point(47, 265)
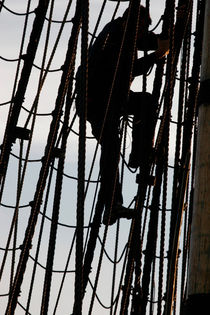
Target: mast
point(199, 261)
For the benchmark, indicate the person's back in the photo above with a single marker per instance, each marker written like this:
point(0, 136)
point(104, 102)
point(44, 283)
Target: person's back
point(109, 66)
point(103, 62)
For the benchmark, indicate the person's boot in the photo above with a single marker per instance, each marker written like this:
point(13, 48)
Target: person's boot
point(138, 143)
point(118, 211)
point(142, 148)
point(134, 158)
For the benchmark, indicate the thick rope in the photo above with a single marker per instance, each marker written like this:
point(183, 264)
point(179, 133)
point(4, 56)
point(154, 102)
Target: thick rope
point(81, 159)
point(187, 137)
point(180, 150)
point(44, 170)
point(23, 82)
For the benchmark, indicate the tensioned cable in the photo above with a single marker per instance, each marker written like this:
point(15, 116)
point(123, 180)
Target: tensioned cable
point(93, 36)
point(23, 171)
point(91, 230)
point(27, 313)
point(3, 181)
point(153, 223)
point(182, 125)
point(98, 21)
point(92, 237)
point(57, 201)
point(183, 90)
point(41, 231)
point(64, 274)
point(187, 136)
point(115, 262)
point(153, 236)
point(43, 172)
point(114, 77)
point(83, 6)
point(1, 4)
point(28, 148)
point(45, 70)
point(4, 145)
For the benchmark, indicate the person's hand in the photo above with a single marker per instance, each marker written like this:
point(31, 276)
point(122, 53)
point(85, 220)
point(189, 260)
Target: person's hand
point(163, 48)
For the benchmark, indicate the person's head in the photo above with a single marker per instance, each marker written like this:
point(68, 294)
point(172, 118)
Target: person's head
point(144, 20)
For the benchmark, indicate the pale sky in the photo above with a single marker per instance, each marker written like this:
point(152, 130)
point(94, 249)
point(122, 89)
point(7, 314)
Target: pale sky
point(11, 28)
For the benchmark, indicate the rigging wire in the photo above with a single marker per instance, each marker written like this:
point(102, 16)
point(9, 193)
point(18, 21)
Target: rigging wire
point(43, 174)
point(126, 248)
point(84, 8)
point(4, 149)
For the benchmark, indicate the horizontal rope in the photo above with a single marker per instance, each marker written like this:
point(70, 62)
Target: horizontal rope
point(47, 217)
point(99, 301)
point(14, 12)
point(34, 65)
point(13, 207)
point(120, 257)
point(54, 271)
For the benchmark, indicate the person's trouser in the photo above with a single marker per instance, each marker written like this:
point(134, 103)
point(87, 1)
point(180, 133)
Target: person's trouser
point(110, 155)
point(140, 105)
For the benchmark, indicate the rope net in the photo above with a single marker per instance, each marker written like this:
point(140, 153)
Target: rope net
point(56, 256)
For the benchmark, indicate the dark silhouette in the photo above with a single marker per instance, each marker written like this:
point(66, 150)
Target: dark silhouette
point(109, 98)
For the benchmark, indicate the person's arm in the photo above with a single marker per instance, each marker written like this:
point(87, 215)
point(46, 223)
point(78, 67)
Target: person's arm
point(148, 42)
point(142, 65)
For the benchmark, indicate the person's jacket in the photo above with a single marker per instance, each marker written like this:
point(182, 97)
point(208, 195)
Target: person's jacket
point(109, 67)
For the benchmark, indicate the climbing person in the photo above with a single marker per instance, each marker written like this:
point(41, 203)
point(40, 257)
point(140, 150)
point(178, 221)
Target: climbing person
point(110, 98)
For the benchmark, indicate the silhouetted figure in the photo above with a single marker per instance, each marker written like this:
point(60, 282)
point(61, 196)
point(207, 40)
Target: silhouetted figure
point(109, 100)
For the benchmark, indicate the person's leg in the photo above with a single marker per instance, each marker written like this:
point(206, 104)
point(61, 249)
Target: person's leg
point(142, 106)
point(109, 160)
point(111, 189)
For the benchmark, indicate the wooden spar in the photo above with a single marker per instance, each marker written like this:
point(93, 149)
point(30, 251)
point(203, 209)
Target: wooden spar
point(199, 262)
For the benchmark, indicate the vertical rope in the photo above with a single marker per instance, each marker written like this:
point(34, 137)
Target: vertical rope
point(100, 203)
point(67, 69)
point(56, 205)
point(16, 212)
point(65, 272)
point(99, 208)
point(81, 159)
point(39, 239)
point(162, 168)
point(97, 22)
point(187, 132)
point(123, 132)
point(1, 4)
point(152, 233)
point(186, 146)
point(3, 180)
point(162, 249)
point(183, 89)
point(114, 267)
point(23, 82)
